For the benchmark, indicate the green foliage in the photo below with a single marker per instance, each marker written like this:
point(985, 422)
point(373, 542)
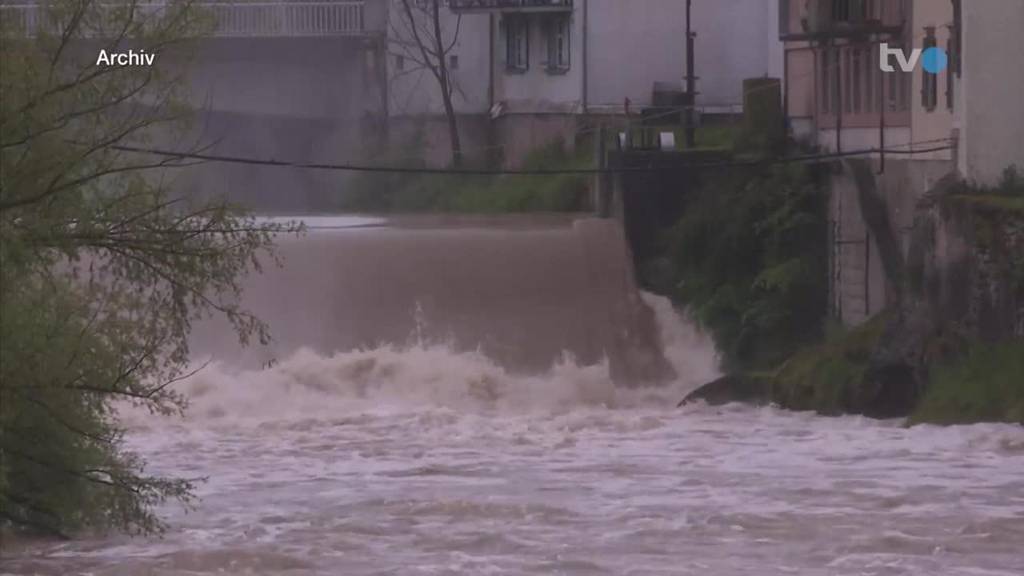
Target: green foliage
point(983, 386)
point(749, 257)
point(103, 271)
point(829, 378)
point(763, 116)
point(997, 215)
point(1007, 196)
point(62, 467)
point(714, 136)
point(1011, 184)
point(383, 193)
point(717, 136)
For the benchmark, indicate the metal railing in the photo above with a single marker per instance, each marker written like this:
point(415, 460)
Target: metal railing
point(233, 19)
point(517, 5)
point(289, 19)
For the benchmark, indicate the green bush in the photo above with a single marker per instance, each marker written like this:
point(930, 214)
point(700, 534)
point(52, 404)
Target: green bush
point(484, 194)
point(1006, 197)
point(102, 270)
point(62, 467)
point(749, 257)
point(986, 385)
point(829, 378)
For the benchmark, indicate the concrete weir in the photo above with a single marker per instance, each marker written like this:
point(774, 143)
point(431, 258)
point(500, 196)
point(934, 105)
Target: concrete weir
point(523, 291)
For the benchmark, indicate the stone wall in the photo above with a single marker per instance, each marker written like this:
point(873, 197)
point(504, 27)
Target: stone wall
point(967, 263)
point(519, 134)
point(917, 232)
point(427, 139)
point(991, 130)
point(859, 284)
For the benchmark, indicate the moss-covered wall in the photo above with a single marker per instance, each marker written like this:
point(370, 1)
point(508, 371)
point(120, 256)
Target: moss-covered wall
point(956, 315)
point(968, 262)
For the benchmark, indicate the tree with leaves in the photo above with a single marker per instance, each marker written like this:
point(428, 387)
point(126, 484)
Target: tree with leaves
point(103, 268)
point(749, 258)
point(418, 35)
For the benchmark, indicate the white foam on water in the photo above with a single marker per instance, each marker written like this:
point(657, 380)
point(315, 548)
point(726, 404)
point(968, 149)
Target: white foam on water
point(395, 378)
point(427, 459)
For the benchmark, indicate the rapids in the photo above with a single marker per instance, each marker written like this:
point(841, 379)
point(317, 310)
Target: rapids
point(427, 454)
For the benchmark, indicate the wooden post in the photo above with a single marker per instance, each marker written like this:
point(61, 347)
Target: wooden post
point(867, 274)
point(691, 82)
point(602, 183)
point(380, 61)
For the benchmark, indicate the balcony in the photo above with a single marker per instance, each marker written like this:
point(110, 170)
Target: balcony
point(471, 6)
point(234, 19)
point(847, 19)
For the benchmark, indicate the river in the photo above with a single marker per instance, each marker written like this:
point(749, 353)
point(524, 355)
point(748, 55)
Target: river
point(429, 455)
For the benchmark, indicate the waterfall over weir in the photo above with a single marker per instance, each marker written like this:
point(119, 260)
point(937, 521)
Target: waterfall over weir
point(525, 293)
point(466, 397)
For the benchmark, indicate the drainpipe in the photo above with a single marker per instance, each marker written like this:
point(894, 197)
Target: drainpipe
point(881, 124)
point(586, 40)
point(785, 84)
point(839, 99)
point(691, 82)
point(490, 63)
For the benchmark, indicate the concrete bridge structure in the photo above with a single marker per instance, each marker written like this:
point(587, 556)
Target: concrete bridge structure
point(289, 80)
point(239, 19)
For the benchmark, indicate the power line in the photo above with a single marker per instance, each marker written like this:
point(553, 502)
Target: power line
point(803, 159)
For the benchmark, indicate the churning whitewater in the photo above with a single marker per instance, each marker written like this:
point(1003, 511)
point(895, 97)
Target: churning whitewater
point(432, 456)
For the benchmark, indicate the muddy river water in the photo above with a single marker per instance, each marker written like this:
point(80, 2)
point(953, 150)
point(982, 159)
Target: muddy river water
point(526, 453)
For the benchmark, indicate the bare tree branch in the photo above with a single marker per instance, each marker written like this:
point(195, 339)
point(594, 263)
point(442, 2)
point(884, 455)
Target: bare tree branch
point(427, 38)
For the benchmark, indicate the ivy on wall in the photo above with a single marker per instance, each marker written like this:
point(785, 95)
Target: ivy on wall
point(750, 259)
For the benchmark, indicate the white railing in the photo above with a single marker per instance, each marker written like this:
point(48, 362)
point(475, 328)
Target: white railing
point(258, 19)
point(235, 19)
point(20, 18)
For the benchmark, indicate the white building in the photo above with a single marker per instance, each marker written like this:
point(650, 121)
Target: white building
point(990, 85)
point(544, 69)
point(591, 55)
point(413, 90)
point(962, 118)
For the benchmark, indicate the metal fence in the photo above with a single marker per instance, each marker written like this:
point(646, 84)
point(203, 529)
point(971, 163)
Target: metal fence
point(234, 19)
point(257, 19)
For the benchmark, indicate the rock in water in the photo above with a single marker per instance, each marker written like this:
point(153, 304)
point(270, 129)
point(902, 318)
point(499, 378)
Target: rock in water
point(746, 388)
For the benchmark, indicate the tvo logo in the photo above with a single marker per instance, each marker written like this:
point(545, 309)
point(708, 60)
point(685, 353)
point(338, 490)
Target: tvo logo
point(934, 60)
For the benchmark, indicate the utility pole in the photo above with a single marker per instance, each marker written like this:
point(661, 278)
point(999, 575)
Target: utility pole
point(691, 81)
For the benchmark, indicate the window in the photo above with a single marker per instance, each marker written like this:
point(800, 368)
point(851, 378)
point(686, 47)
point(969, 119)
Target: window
point(558, 44)
point(517, 43)
point(852, 11)
point(827, 84)
point(950, 76)
point(954, 48)
point(869, 79)
point(894, 83)
point(956, 38)
point(453, 61)
point(858, 80)
point(849, 86)
point(841, 10)
point(899, 89)
point(832, 81)
point(784, 16)
point(872, 10)
point(930, 82)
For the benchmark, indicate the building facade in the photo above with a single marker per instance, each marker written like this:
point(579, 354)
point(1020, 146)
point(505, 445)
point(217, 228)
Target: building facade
point(841, 97)
point(545, 70)
point(915, 82)
point(989, 85)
